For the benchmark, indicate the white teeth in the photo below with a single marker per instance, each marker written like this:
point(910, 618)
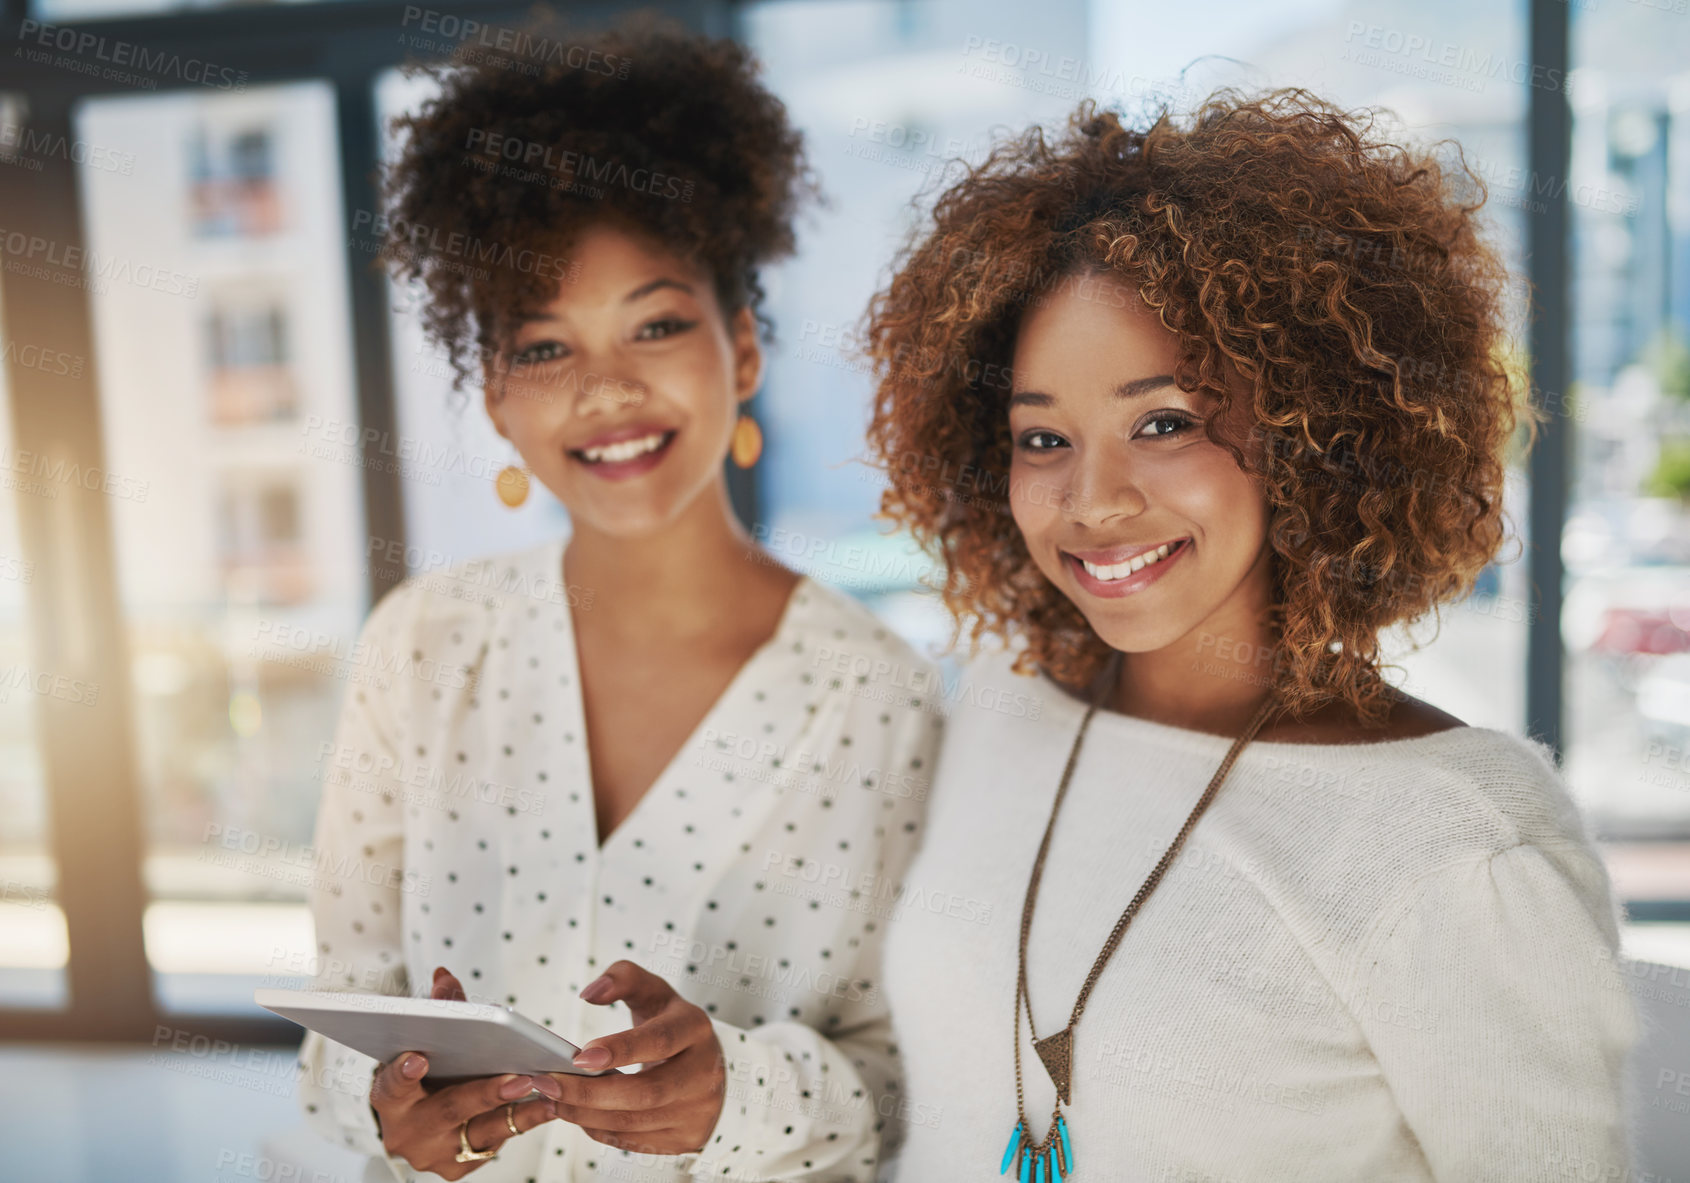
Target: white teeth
point(1124, 569)
point(625, 449)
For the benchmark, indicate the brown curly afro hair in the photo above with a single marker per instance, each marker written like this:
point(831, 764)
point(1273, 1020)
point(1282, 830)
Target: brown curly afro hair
point(539, 132)
point(1338, 281)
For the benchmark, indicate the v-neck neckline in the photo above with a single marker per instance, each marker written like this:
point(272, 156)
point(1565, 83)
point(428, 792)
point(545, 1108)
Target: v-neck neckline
point(801, 591)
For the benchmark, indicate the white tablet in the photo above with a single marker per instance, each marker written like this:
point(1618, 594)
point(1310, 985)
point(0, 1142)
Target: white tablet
point(460, 1039)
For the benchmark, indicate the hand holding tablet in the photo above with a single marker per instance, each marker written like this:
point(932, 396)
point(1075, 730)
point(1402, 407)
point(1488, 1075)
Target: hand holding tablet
point(459, 1079)
point(439, 1131)
point(456, 1075)
point(461, 1039)
point(673, 1102)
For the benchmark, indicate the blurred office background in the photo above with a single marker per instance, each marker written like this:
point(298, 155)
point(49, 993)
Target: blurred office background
point(231, 436)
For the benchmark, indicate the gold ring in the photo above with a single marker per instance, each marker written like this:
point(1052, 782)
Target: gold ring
point(510, 1118)
point(466, 1153)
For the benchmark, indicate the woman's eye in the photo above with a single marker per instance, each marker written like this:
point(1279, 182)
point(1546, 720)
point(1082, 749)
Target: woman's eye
point(667, 327)
point(1164, 424)
point(1028, 443)
point(538, 352)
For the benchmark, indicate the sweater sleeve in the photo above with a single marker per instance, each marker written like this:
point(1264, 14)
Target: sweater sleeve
point(355, 898)
point(1491, 998)
point(803, 1105)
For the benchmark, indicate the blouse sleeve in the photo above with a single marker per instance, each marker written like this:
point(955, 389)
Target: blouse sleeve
point(1496, 1011)
point(805, 1105)
point(359, 863)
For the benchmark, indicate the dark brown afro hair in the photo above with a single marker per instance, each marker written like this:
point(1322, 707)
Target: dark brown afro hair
point(1335, 280)
point(539, 132)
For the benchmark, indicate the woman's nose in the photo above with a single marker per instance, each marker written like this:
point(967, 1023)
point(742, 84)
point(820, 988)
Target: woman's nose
point(1104, 487)
point(609, 389)
point(602, 383)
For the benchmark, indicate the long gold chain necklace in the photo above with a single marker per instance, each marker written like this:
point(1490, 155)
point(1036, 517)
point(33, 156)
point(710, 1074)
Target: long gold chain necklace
point(1051, 1159)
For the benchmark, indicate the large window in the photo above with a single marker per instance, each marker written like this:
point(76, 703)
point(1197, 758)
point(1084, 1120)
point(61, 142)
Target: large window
point(887, 93)
point(228, 396)
point(1627, 541)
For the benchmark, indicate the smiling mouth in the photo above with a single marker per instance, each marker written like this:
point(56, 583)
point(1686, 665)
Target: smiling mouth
point(1129, 567)
point(623, 451)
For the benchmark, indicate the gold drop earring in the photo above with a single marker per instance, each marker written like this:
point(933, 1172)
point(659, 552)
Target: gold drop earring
point(512, 482)
point(747, 442)
point(512, 485)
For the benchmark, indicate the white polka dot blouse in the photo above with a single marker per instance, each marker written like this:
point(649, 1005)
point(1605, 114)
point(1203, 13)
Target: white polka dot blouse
point(756, 875)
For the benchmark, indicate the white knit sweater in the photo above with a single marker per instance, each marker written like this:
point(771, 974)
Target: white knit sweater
point(1389, 961)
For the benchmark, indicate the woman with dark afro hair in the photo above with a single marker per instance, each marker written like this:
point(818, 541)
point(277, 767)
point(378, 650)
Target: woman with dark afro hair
point(1285, 922)
point(618, 767)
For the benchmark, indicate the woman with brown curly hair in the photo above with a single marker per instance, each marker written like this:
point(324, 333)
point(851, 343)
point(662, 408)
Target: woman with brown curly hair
point(604, 766)
point(1285, 922)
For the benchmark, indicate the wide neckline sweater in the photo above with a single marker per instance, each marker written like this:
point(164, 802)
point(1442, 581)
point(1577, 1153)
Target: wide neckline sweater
point(1381, 961)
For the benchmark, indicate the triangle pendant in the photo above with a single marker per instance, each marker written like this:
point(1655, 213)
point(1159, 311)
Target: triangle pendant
point(1057, 1053)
